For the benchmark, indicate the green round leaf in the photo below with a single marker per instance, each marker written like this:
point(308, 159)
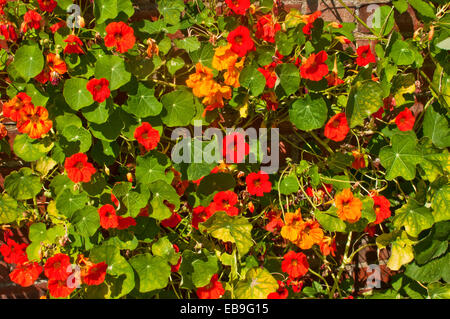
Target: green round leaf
point(9, 210)
point(30, 149)
point(414, 218)
point(250, 78)
point(76, 94)
point(67, 119)
point(112, 68)
point(76, 140)
point(144, 103)
point(29, 61)
point(365, 99)
point(258, 284)
point(178, 108)
point(68, 203)
point(289, 77)
point(204, 270)
point(86, 221)
point(401, 53)
point(236, 229)
point(440, 204)
point(110, 130)
point(38, 232)
point(151, 167)
point(153, 271)
point(436, 127)
point(122, 281)
point(97, 113)
point(401, 159)
point(23, 184)
point(308, 114)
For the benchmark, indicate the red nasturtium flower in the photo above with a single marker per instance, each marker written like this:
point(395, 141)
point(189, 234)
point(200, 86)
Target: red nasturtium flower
point(172, 221)
point(365, 56)
point(269, 74)
point(57, 26)
point(119, 35)
point(271, 100)
point(328, 246)
point(359, 160)
point(234, 147)
point(108, 217)
point(241, 41)
point(337, 127)
point(200, 214)
point(405, 120)
point(348, 207)
point(258, 183)
point(309, 19)
point(314, 68)
point(78, 168)
point(213, 290)
point(382, 209)
point(266, 28)
point(31, 20)
point(225, 201)
point(26, 274)
point(99, 89)
point(333, 79)
point(14, 108)
point(238, 6)
point(54, 68)
point(56, 267)
point(74, 45)
point(13, 252)
point(94, 274)
point(47, 5)
point(275, 223)
point(320, 193)
point(295, 284)
point(125, 222)
point(34, 121)
point(147, 136)
point(295, 264)
point(281, 293)
point(59, 288)
point(8, 31)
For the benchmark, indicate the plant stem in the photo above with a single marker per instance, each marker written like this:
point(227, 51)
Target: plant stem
point(345, 262)
point(318, 140)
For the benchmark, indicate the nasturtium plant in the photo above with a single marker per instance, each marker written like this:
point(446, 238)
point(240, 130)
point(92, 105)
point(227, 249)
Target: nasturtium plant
point(243, 150)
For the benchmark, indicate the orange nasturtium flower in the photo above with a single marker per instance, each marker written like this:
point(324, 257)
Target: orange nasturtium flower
point(215, 99)
point(303, 233)
point(310, 234)
point(201, 82)
point(349, 207)
point(231, 77)
point(14, 108)
point(153, 48)
point(35, 121)
point(224, 58)
point(292, 224)
point(54, 68)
